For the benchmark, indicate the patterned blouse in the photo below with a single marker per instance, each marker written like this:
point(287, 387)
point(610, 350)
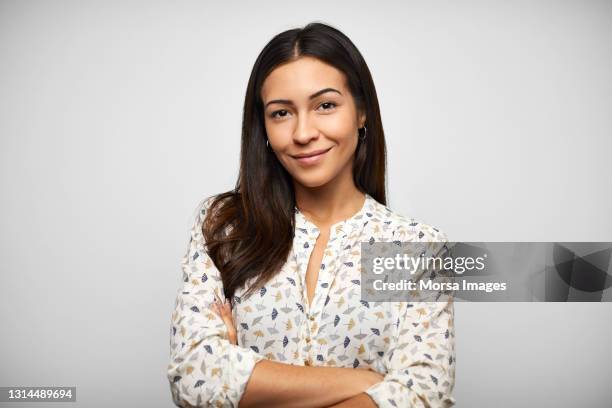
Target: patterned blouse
point(411, 343)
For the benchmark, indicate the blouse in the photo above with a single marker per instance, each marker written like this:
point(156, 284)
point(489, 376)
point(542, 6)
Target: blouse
point(411, 343)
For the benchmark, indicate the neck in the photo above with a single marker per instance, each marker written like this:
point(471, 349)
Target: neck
point(330, 203)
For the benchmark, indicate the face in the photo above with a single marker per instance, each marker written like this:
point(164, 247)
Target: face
point(311, 121)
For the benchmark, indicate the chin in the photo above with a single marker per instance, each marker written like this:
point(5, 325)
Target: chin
point(313, 182)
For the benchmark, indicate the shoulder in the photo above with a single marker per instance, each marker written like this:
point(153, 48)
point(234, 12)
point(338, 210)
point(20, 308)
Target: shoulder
point(405, 228)
point(202, 209)
point(211, 206)
point(198, 216)
point(204, 206)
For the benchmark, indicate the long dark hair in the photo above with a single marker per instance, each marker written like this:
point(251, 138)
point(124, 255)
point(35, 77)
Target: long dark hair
point(249, 230)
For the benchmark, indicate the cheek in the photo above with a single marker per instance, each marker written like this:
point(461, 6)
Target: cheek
point(339, 125)
point(280, 134)
point(344, 136)
point(345, 150)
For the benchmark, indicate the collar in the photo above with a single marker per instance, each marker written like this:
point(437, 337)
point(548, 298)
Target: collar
point(304, 226)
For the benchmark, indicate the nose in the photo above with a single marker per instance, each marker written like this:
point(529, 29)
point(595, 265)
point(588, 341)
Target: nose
point(305, 131)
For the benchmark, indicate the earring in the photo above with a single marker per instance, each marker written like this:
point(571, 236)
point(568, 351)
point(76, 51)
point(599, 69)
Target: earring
point(365, 133)
point(267, 143)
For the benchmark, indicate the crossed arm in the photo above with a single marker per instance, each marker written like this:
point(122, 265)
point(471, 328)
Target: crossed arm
point(207, 369)
point(276, 384)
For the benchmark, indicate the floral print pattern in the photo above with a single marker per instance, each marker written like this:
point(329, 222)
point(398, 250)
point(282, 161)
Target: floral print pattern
point(412, 343)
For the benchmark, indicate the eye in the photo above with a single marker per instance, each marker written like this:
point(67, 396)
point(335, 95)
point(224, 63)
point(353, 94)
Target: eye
point(274, 114)
point(333, 105)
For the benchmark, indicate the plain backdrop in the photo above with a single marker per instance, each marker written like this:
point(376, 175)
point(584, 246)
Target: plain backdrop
point(118, 117)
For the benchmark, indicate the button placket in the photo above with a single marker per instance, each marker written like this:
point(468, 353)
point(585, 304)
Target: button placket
point(307, 333)
point(337, 244)
point(324, 283)
point(339, 234)
point(327, 273)
point(311, 313)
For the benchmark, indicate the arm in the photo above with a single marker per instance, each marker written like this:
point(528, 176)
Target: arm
point(276, 384)
point(420, 365)
point(362, 400)
point(206, 369)
point(316, 386)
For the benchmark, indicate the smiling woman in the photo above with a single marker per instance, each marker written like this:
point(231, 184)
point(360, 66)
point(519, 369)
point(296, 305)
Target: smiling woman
point(283, 251)
point(318, 129)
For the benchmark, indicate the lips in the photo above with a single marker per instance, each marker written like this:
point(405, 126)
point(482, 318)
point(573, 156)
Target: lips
point(310, 154)
point(311, 157)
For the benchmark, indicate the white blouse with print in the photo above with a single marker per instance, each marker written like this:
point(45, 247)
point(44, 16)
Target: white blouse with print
point(411, 343)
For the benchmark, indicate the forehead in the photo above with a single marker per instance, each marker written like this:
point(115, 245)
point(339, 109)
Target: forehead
point(300, 78)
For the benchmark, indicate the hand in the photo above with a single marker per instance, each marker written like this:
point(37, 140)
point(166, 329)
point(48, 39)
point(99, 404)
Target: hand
point(224, 310)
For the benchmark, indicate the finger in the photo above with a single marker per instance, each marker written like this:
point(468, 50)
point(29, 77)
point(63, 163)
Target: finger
point(226, 315)
point(227, 321)
point(219, 309)
point(232, 336)
point(215, 308)
point(226, 310)
point(217, 298)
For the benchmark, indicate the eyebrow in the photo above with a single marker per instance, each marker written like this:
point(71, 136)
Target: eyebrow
point(314, 95)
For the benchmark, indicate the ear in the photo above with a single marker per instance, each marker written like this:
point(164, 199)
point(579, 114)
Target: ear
point(362, 120)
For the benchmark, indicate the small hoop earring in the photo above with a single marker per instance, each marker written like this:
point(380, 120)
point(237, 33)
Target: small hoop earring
point(365, 133)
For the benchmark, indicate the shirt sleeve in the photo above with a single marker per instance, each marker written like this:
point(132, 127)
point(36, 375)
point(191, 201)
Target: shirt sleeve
point(421, 362)
point(205, 368)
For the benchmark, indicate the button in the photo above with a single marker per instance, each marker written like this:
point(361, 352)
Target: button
point(306, 362)
point(311, 318)
point(307, 339)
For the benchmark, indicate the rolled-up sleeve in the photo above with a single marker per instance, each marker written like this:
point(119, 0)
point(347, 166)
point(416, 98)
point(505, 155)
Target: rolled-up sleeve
point(205, 368)
point(421, 362)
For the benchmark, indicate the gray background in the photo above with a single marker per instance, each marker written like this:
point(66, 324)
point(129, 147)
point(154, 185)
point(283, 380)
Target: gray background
point(118, 117)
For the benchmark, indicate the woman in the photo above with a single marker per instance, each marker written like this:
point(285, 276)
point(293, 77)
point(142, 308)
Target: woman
point(283, 247)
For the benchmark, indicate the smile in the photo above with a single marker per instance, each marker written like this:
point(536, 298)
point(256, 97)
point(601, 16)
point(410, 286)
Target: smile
point(312, 157)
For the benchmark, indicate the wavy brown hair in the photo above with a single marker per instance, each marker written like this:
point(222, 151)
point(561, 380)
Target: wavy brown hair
point(249, 230)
